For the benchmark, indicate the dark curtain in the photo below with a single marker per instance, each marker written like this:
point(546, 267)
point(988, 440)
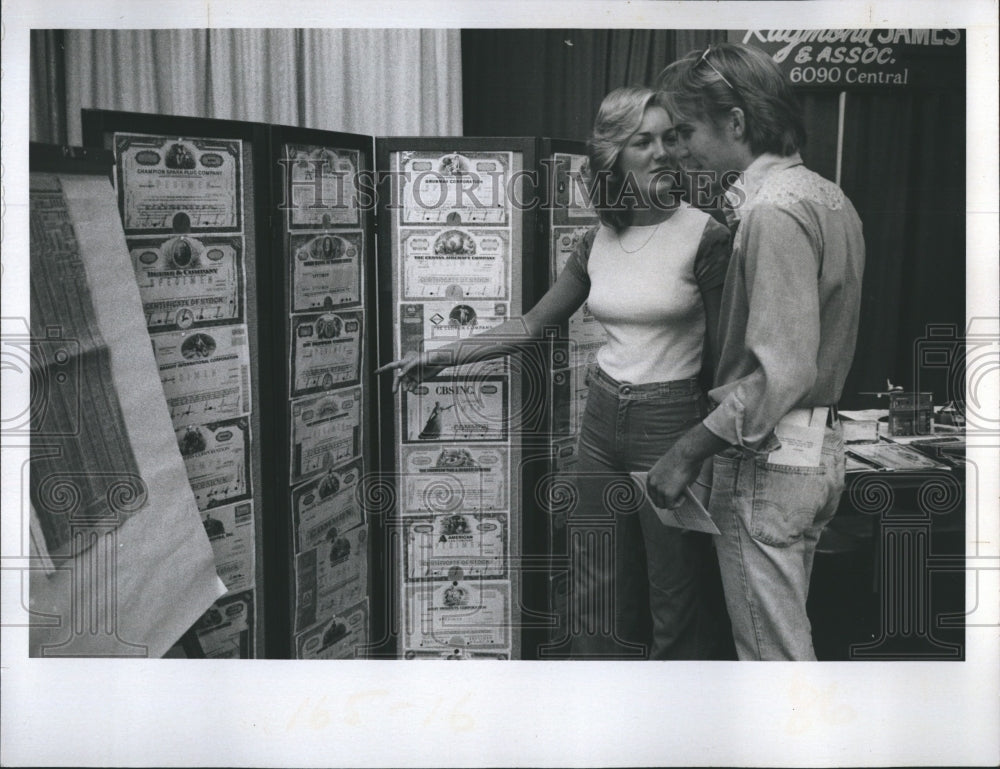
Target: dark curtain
point(904, 169)
point(47, 87)
point(821, 109)
point(550, 82)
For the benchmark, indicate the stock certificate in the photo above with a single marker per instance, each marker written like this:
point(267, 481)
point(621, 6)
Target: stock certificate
point(466, 188)
point(455, 263)
point(186, 281)
point(331, 576)
point(431, 325)
point(322, 186)
point(456, 411)
point(345, 636)
point(329, 501)
point(225, 631)
point(326, 351)
point(456, 615)
point(443, 479)
point(217, 459)
point(231, 534)
point(169, 184)
point(326, 431)
point(326, 270)
point(456, 546)
point(572, 201)
point(205, 373)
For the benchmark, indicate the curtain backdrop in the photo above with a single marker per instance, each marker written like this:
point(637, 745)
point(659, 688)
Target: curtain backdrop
point(550, 82)
point(904, 170)
point(382, 82)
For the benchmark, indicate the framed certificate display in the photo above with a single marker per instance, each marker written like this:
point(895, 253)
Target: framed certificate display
point(192, 195)
point(323, 249)
point(346, 521)
point(452, 253)
point(251, 247)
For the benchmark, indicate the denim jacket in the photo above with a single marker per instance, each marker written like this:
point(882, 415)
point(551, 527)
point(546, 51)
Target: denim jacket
point(791, 300)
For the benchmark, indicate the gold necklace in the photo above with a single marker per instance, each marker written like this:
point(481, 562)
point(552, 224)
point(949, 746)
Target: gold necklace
point(621, 245)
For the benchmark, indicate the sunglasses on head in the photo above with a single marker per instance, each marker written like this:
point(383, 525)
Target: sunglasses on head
point(704, 58)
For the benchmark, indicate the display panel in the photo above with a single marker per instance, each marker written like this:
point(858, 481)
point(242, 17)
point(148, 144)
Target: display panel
point(323, 243)
point(455, 246)
point(187, 190)
point(458, 240)
point(191, 193)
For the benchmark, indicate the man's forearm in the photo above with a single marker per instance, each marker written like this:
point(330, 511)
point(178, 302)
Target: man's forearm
point(698, 444)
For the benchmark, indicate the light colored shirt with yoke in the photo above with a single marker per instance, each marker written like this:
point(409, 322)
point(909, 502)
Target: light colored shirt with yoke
point(790, 306)
point(645, 289)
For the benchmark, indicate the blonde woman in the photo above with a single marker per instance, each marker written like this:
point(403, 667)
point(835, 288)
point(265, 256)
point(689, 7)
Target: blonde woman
point(652, 274)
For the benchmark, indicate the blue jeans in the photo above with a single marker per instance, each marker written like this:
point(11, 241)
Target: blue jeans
point(770, 518)
point(635, 583)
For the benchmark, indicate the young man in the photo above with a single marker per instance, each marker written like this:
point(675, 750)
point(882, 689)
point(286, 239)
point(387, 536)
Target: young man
point(788, 328)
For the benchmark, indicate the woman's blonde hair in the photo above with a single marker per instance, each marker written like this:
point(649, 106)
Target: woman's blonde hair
point(619, 116)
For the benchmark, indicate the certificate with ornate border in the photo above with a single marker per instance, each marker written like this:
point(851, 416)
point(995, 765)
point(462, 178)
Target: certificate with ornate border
point(457, 614)
point(454, 654)
point(171, 184)
point(217, 459)
point(455, 187)
point(326, 431)
point(326, 270)
point(456, 411)
point(230, 531)
point(455, 263)
point(451, 478)
point(456, 546)
point(430, 325)
point(187, 282)
point(329, 501)
point(205, 373)
point(322, 186)
point(225, 631)
point(564, 241)
point(571, 196)
point(344, 636)
point(326, 351)
point(331, 576)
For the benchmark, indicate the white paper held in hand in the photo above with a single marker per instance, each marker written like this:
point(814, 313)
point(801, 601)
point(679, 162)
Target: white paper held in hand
point(689, 514)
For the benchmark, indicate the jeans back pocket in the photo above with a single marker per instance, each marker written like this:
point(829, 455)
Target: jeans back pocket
point(785, 502)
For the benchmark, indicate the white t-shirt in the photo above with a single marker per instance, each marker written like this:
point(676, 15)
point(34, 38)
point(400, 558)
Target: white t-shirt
point(645, 289)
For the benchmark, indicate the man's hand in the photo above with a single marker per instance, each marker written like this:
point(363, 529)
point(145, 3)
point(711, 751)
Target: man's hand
point(680, 466)
point(669, 477)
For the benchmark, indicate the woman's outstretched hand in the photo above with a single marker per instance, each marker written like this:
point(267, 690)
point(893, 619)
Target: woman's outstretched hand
point(410, 370)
